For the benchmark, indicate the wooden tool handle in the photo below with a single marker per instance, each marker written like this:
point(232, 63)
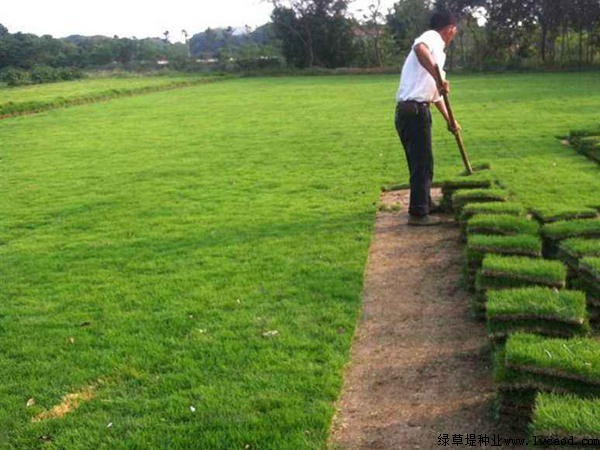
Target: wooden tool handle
point(459, 141)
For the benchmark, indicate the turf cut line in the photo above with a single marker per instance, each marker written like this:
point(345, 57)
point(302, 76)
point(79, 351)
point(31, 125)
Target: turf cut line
point(419, 365)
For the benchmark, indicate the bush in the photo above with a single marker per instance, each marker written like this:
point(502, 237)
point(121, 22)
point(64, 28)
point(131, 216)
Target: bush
point(13, 76)
point(46, 74)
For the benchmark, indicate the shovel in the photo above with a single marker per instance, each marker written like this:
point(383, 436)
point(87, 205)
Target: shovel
point(459, 141)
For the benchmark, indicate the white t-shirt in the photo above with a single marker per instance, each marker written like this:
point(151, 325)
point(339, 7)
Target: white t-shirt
point(415, 82)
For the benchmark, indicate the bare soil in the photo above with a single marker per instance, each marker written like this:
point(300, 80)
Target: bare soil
point(420, 364)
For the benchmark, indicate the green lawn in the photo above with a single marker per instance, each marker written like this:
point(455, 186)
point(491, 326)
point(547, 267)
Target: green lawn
point(151, 246)
point(42, 97)
point(78, 88)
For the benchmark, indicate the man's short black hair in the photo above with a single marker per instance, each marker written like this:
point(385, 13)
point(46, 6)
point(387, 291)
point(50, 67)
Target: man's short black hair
point(440, 19)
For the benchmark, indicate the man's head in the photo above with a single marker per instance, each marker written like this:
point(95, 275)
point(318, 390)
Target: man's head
point(444, 22)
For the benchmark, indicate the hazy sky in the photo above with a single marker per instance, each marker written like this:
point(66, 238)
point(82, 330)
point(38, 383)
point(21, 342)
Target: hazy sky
point(128, 18)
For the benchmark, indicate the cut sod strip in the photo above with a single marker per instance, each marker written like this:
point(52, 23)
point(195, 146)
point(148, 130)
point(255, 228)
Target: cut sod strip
point(559, 213)
point(564, 419)
point(570, 251)
point(587, 142)
point(490, 208)
point(551, 364)
point(499, 272)
point(480, 245)
point(553, 233)
point(464, 197)
point(536, 310)
point(591, 266)
point(589, 270)
point(501, 224)
point(481, 180)
point(509, 272)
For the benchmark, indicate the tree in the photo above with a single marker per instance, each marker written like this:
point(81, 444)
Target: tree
point(314, 32)
point(407, 20)
point(371, 26)
point(187, 42)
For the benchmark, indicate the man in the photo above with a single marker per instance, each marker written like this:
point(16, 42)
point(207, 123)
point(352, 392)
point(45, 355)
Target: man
point(419, 87)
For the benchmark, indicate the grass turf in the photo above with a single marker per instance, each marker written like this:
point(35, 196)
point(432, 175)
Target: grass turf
point(501, 224)
point(121, 220)
point(552, 364)
point(566, 416)
point(572, 228)
point(558, 213)
point(153, 246)
point(489, 208)
point(541, 310)
point(498, 271)
point(463, 197)
point(50, 95)
point(570, 251)
point(591, 265)
point(478, 245)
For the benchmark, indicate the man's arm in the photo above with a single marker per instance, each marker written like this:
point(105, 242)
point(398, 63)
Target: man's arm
point(426, 60)
point(452, 127)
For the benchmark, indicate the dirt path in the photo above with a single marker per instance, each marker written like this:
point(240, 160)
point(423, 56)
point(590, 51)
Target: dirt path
point(419, 366)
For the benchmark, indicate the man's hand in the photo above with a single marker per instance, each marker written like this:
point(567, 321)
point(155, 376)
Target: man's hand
point(454, 127)
point(444, 87)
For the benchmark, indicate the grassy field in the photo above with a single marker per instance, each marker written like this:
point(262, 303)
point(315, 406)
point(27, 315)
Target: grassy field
point(188, 265)
point(78, 88)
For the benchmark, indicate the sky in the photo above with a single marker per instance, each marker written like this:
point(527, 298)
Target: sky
point(137, 18)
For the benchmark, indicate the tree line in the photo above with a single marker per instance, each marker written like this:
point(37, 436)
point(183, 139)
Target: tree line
point(494, 34)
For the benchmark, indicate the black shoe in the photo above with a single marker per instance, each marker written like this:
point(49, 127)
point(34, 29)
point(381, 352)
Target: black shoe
point(423, 221)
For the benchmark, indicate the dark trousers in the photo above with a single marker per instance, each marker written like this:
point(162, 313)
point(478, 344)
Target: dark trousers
point(413, 124)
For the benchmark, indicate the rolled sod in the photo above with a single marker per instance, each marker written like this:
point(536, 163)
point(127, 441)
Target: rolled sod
point(536, 310)
point(564, 419)
point(481, 180)
point(530, 361)
point(523, 244)
point(556, 232)
point(501, 224)
point(467, 196)
point(559, 213)
point(479, 245)
point(572, 250)
point(490, 208)
point(589, 280)
point(498, 271)
point(565, 229)
point(591, 266)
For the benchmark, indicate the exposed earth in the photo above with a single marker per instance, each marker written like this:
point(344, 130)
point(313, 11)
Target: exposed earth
point(420, 365)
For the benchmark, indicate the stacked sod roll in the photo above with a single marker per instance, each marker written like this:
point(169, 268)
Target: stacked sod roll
point(565, 421)
point(587, 142)
point(488, 209)
point(539, 310)
point(570, 252)
point(480, 245)
point(538, 321)
point(450, 186)
point(530, 364)
point(510, 272)
point(589, 281)
point(553, 214)
point(464, 197)
point(555, 233)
